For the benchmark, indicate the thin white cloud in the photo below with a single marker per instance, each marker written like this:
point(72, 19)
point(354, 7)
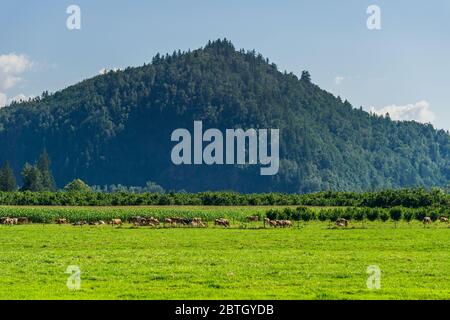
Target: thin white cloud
point(20, 98)
point(338, 80)
point(4, 100)
point(12, 66)
point(105, 70)
point(419, 111)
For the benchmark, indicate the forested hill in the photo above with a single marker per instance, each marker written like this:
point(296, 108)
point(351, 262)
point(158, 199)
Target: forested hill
point(115, 128)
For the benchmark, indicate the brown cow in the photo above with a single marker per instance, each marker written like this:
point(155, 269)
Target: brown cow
point(285, 223)
point(174, 220)
point(80, 223)
point(272, 223)
point(197, 222)
point(138, 221)
point(185, 221)
point(3, 219)
point(253, 218)
point(341, 222)
point(426, 220)
point(169, 221)
point(152, 221)
point(10, 221)
point(96, 223)
point(222, 222)
point(61, 221)
point(116, 222)
point(22, 220)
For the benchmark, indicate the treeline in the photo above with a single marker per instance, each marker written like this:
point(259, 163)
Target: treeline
point(36, 178)
point(409, 198)
point(39, 178)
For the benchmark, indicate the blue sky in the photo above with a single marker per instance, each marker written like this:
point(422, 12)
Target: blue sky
point(404, 68)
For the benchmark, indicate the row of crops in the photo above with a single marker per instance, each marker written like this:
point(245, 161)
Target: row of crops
point(358, 214)
point(90, 214)
point(411, 198)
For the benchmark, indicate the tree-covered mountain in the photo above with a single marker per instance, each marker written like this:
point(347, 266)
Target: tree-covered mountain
point(116, 128)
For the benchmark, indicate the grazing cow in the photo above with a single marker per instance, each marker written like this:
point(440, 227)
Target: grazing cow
point(173, 221)
point(101, 222)
point(285, 223)
point(426, 220)
point(152, 221)
point(116, 222)
point(222, 222)
point(185, 221)
point(80, 223)
point(138, 221)
point(253, 218)
point(10, 221)
point(3, 219)
point(169, 221)
point(272, 223)
point(22, 220)
point(443, 219)
point(197, 222)
point(61, 221)
point(96, 223)
point(341, 222)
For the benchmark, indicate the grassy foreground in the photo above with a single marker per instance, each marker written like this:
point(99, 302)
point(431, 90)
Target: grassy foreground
point(313, 262)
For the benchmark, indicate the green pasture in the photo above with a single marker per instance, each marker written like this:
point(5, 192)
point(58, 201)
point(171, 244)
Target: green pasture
point(313, 261)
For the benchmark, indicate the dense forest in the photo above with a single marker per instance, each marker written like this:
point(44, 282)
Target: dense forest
point(115, 129)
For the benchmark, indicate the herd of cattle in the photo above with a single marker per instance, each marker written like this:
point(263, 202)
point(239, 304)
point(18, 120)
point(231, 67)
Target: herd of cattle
point(153, 222)
point(12, 221)
point(427, 220)
point(186, 222)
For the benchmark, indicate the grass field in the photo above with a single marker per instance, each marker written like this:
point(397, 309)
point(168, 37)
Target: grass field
point(313, 262)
